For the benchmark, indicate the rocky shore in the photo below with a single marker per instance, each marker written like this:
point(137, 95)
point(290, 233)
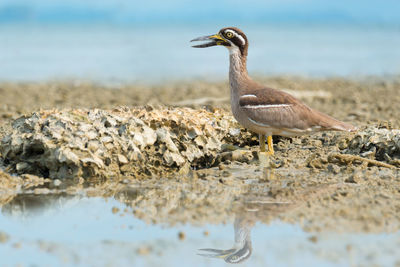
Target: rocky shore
point(181, 143)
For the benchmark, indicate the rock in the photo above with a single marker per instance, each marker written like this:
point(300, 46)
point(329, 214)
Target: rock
point(234, 131)
point(380, 144)
point(149, 136)
point(333, 168)
point(109, 143)
point(355, 178)
point(170, 158)
point(21, 166)
point(94, 160)
point(122, 159)
point(106, 139)
point(242, 155)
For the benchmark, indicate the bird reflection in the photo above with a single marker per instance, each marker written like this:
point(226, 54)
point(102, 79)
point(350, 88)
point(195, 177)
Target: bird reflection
point(247, 215)
point(242, 248)
point(262, 206)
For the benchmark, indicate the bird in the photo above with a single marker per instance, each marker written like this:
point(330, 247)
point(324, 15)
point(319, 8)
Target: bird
point(261, 109)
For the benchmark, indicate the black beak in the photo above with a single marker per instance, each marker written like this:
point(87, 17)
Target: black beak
point(215, 39)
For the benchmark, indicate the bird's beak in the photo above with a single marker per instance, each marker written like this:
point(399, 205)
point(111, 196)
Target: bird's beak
point(215, 39)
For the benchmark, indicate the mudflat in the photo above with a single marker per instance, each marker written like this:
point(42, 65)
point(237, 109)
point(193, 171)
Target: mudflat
point(327, 181)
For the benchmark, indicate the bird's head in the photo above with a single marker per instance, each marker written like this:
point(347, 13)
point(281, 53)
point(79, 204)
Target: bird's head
point(230, 37)
point(234, 255)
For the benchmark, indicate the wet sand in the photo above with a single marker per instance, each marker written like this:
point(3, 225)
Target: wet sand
point(322, 189)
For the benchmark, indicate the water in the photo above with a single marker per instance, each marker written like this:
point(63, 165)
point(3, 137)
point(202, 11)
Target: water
point(137, 54)
point(121, 12)
point(136, 41)
point(75, 230)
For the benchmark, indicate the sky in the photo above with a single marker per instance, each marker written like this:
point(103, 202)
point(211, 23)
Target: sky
point(124, 12)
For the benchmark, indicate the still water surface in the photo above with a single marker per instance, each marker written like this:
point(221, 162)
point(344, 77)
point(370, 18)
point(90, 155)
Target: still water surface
point(75, 230)
point(150, 54)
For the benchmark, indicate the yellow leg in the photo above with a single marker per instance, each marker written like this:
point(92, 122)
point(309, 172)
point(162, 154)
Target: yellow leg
point(262, 143)
point(264, 158)
point(270, 145)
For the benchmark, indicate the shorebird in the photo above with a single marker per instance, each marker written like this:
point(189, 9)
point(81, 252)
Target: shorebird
point(261, 109)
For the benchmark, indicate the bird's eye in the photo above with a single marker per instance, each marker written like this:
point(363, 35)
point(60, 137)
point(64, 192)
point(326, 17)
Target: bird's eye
point(229, 35)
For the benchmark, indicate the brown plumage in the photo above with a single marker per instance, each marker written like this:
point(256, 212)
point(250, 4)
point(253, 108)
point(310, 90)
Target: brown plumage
point(289, 112)
point(261, 109)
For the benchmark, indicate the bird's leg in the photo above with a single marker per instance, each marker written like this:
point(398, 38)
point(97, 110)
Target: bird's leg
point(262, 142)
point(270, 146)
point(270, 151)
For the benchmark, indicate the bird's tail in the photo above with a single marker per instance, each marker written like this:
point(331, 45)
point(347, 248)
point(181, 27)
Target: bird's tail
point(326, 122)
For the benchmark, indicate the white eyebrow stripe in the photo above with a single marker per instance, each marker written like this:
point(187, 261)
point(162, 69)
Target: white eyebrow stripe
point(245, 96)
point(238, 36)
point(241, 39)
point(267, 106)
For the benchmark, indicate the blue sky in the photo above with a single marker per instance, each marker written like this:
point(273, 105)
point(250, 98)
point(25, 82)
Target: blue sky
point(123, 12)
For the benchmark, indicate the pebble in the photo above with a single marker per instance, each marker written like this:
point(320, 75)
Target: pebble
point(114, 210)
point(333, 168)
point(4, 237)
point(122, 159)
point(144, 250)
point(181, 236)
point(355, 178)
point(313, 239)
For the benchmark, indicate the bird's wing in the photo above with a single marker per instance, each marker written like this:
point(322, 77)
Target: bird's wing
point(272, 108)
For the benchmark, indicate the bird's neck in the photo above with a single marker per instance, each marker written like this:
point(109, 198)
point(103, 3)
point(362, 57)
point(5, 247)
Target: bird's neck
point(243, 228)
point(237, 70)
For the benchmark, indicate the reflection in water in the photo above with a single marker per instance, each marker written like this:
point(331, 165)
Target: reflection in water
point(241, 249)
point(247, 215)
point(262, 206)
point(86, 220)
point(33, 205)
point(196, 203)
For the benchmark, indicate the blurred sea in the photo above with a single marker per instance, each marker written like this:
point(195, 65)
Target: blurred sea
point(130, 41)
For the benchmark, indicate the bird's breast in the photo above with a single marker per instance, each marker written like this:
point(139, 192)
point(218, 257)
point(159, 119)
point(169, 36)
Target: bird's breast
point(238, 114)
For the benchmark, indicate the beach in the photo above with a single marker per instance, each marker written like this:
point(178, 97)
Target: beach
point(118, 146)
